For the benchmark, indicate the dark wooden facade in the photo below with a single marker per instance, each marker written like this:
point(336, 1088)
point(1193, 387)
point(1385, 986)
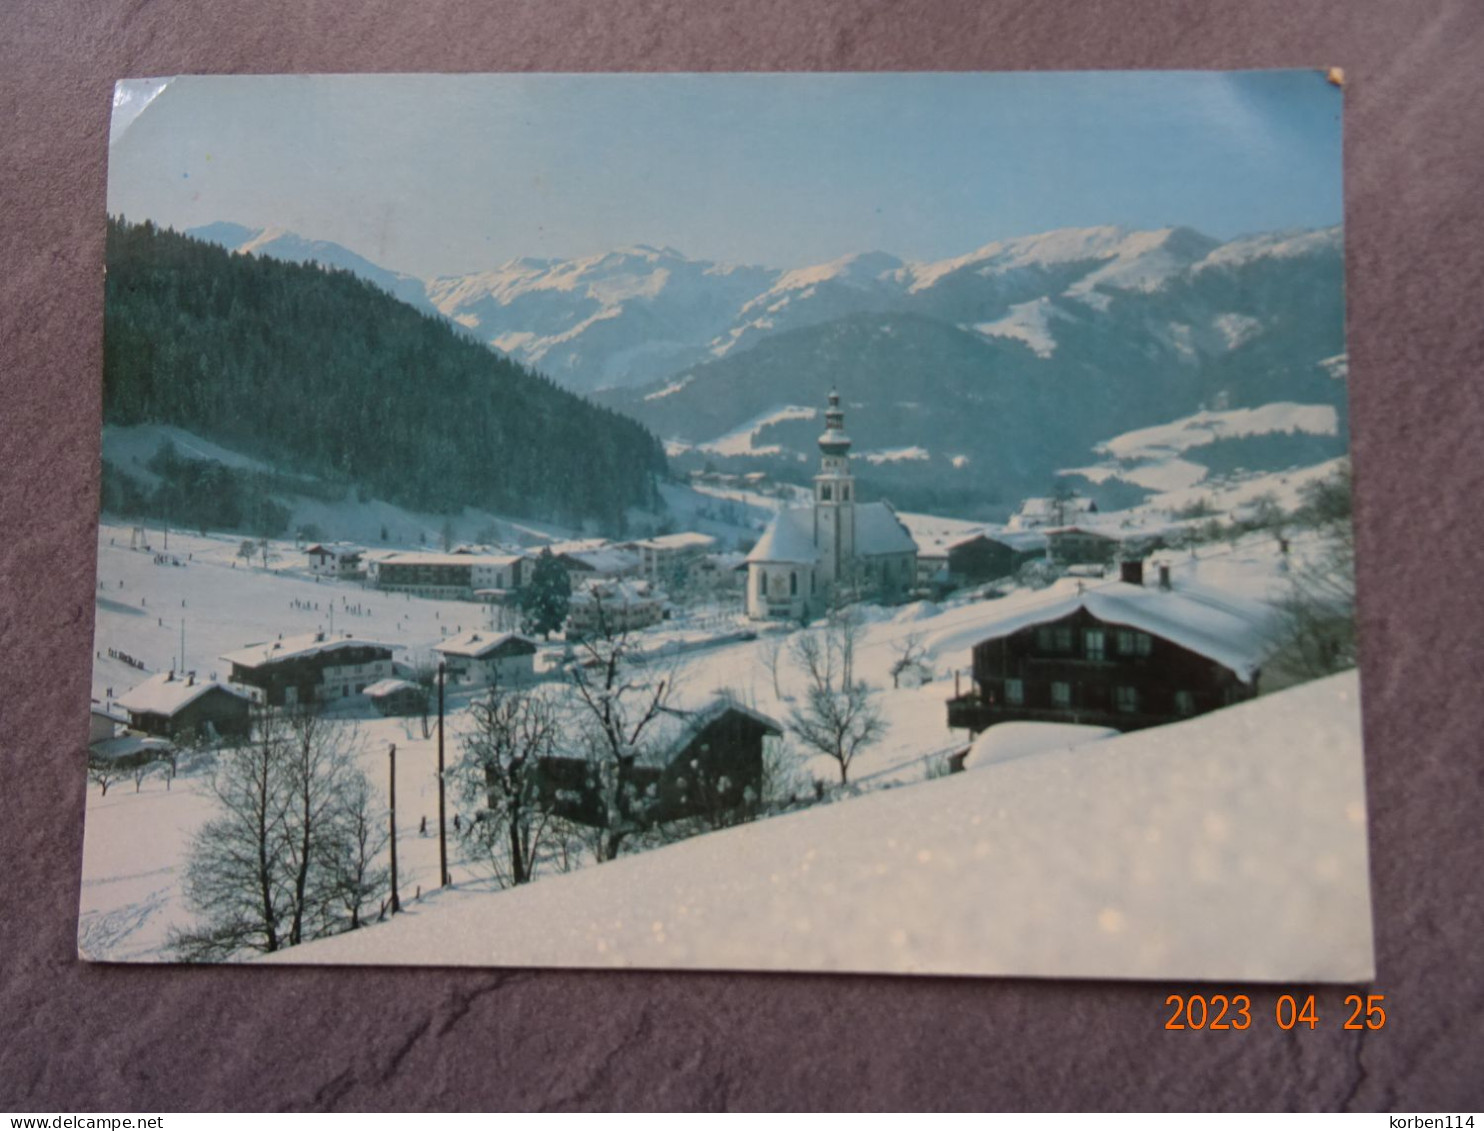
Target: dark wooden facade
point(983, 558)
point(216, 709)
point(719, 771)
point(1080, 669)
point(304, 674)
point(1075, 546)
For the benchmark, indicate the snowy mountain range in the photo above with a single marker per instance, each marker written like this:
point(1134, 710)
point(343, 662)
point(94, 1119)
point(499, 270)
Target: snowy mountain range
point(1006, 363)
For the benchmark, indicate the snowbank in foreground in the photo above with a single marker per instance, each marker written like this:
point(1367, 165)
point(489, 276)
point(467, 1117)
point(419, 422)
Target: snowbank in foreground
point(1228, 847)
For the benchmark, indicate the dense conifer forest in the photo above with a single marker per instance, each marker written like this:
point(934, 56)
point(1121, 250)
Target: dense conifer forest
point(321, 374)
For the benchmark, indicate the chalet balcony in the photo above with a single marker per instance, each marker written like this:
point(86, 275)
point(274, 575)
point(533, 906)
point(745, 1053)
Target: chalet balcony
point(976, 714)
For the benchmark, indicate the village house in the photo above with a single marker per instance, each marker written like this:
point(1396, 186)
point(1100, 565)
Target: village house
point(310, 668)
point(706, 763)
point(1035, 514)
point(663, 557)
point(610, 608)
point(461, 575)
point(719, 575)
point(1117, 653)
point(397, 697)
point(178, 705)
point(104, 724)
point(480, 657)
point(836, 550)
point(976, 556)
point(335, 559)
point(598, 563)
point(1079, 545)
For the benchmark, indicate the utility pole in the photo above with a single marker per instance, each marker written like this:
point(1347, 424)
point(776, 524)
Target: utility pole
point(442, 828)
point(396, 901)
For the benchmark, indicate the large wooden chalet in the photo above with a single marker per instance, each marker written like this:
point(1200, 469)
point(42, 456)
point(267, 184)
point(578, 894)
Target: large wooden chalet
point(1117, 653)
point(311, 668)
point(709, 765)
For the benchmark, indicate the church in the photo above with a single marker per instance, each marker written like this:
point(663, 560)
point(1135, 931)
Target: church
point(836, 550)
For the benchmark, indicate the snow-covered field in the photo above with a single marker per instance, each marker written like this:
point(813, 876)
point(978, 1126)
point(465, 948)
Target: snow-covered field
point(1151, 457)
point(1202, 850)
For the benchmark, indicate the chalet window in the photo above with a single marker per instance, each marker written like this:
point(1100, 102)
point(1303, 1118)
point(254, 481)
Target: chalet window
point(825, 492)
point(1061, 694)
point(1126, 699)
point(1094, 643)
point(845, 492)
point(793, 585)
point(762, 583)
point(1054, 639)
point(1184, 703)
point(1014, 691)
point(1133, 643)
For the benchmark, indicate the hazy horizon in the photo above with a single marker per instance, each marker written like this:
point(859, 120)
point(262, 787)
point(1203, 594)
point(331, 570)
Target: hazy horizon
point(454, 174)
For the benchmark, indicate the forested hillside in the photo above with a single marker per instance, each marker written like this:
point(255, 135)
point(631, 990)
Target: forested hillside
point(318, 373)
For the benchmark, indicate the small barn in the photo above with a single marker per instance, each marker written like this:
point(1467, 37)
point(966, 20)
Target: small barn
point(397, 697)
point(175, 705)
point(1080, 545)
point(706, 763)
point(479, 657)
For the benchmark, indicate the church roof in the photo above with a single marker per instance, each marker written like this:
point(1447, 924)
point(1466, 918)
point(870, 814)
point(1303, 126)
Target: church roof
point(790, 537)
point(878, 530)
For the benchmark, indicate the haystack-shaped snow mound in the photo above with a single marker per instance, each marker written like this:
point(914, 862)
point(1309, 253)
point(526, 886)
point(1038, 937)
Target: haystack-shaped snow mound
point(1231, 846)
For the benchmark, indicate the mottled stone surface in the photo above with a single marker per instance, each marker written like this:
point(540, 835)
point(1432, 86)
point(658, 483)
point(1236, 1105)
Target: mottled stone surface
point(94, 1037)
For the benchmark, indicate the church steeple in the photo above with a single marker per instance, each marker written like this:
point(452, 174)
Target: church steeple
point(834, 443)
point(834, 496)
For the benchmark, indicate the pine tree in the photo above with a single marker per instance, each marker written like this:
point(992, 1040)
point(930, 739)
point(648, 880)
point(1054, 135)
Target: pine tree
point(545, 600)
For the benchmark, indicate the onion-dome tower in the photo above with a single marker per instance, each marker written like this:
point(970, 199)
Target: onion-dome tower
point(834, 496)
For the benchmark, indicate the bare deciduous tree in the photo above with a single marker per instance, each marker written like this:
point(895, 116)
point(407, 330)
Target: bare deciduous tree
point(290, 854)
point(1315, 627)
point(620, 694)
point(500, 773)
point(839, 715)
point(770, 651)
point(911, 660)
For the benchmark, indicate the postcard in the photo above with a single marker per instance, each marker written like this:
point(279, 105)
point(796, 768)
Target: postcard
point(822, 522)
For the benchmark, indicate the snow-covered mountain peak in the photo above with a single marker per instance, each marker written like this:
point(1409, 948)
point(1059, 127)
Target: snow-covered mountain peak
point(1290, 244)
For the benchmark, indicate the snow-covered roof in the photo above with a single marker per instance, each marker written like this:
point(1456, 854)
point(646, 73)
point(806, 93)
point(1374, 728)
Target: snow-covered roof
point(335, 549)
point(418, 557)
point(675, 729)
point(167, 693)
point(384, 687)
point(293, 647)
point(789, 538)
point(1022, 541)
point(575, 545)
point(607, 559)
point(1232, 630)
point(478, 644)
point(616, 593)
point(686, 540)
point(127, 747)
point(1081, 528)
point(878, 530)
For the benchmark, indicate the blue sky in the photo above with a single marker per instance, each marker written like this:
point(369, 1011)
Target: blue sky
point(452, 174)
